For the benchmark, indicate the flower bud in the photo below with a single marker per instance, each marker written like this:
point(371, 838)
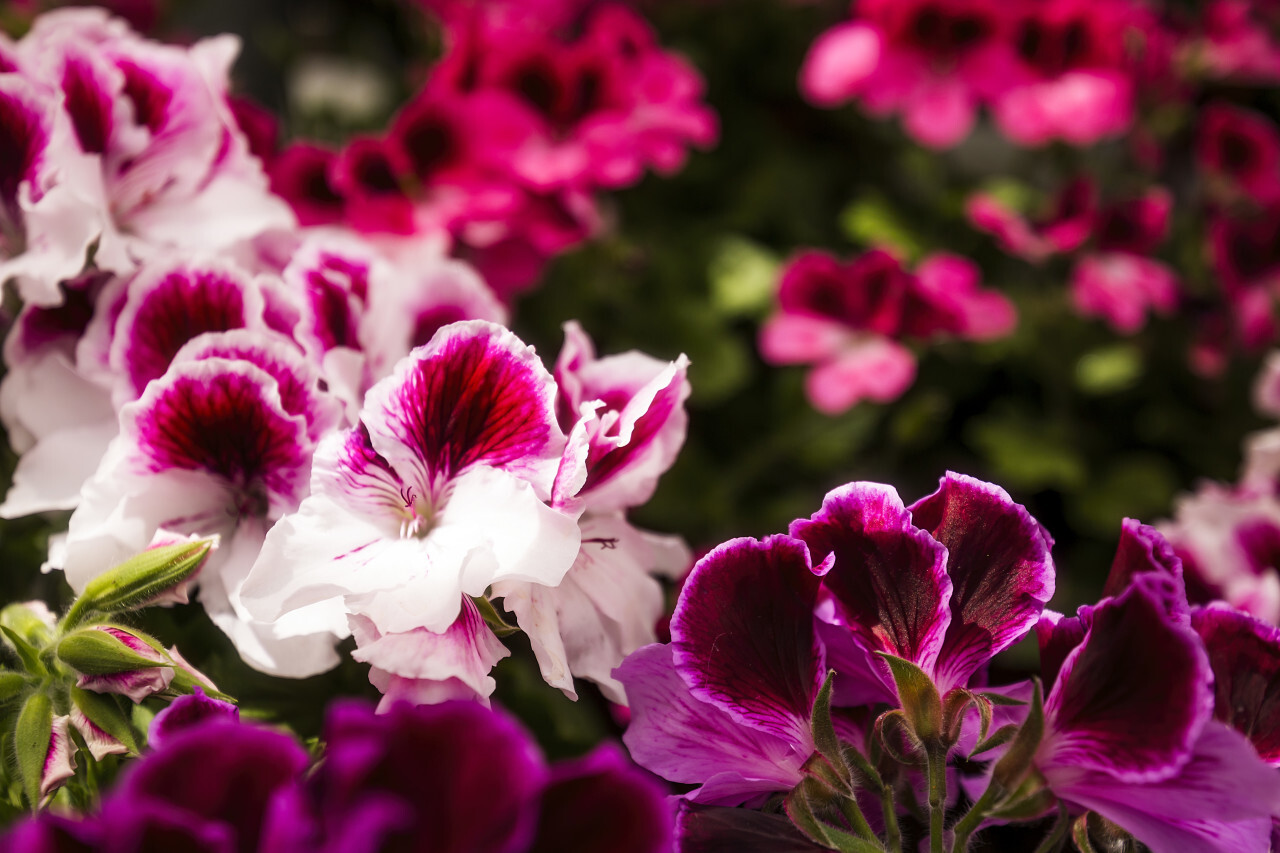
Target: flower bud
point(160, 573)
point(113, 660)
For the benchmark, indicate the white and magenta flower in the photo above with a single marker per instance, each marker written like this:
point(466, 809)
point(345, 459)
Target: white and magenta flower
point(220, 443)
point(437, 493)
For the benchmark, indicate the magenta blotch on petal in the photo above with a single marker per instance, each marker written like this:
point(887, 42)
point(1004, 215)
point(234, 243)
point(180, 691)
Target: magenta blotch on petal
point(1245, 655)
point(889, 578)
point(1000, 569)
point(763, 677)
point(1131, 700)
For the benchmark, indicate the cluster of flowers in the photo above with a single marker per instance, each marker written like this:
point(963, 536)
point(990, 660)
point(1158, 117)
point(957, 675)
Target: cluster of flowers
point(827, 689)
point(1081, 72)
point(376, 452)
point(849, 319)
point(451, 777)
point(533, 110)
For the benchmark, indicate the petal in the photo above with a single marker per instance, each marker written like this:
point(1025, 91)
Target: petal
point(684, 739)
point(186, 712)
point(170, 303)
point(60, 759)
point(874, 368)
point(480, 796)
point(1245, 655)
point(743, 634)
point(99, 743)
point(475, 395)
point(1057, 636)
point(889, 578)
point(839, 62)
point(1000, 569)
point(1132, 699)
point(603, 802)
point(225, 418)
point(1143, 551)
point(297, 379)
point(605, 608)
point(467, 651)
point(242, 768)
point(1219, 802)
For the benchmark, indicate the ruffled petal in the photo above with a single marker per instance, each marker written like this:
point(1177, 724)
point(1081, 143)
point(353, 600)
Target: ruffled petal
point(476, 395)
point(1245, 655)
point(1000, 569)
point(1131, 700)
point(889, 578)
point(681, 738)
point(743, 634)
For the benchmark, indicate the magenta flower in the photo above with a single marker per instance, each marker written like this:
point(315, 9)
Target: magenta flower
point(1240, 148)
point(1064, 226)
point(727, 705)
point(1075, 74)
point(933, 61)
point(1129, 734)
point(489, 789)
point(850, 320)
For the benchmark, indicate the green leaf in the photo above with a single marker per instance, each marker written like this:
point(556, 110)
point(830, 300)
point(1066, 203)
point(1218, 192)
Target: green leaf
point(104, 712)
point(95, 652)
point(919, 697)
point(870, 221)
point(31, 742)
point(140, 579)
point(1109, 369)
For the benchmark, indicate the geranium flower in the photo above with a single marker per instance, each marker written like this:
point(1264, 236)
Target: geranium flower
point(437, 493)
point(850, 320)
point(934, 61)
point(727, 705)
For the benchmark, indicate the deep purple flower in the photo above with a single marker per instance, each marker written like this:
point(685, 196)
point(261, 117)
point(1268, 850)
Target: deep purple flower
point(457, 777)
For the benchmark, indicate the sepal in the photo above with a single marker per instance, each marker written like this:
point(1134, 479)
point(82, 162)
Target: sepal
point(98, 651)
point(104, 712)
point(140, 580)
point(918, 696)
point(32, 736)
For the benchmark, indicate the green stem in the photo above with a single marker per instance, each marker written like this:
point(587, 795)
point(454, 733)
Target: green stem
point(1059, 832)
point(968, 824)
point(937, 763)
point(892, 833)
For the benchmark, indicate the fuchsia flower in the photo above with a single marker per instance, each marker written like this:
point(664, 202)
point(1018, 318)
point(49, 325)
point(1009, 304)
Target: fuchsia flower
point(1236, 41)
point(1064, 227)
point(934, 61)
point(1118, 280)
point(1243, 252)
point(526, 117)
point(850, 320)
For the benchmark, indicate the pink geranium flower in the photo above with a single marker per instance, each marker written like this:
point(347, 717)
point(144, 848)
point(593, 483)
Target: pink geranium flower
point(850, 320)
point(933, 61)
